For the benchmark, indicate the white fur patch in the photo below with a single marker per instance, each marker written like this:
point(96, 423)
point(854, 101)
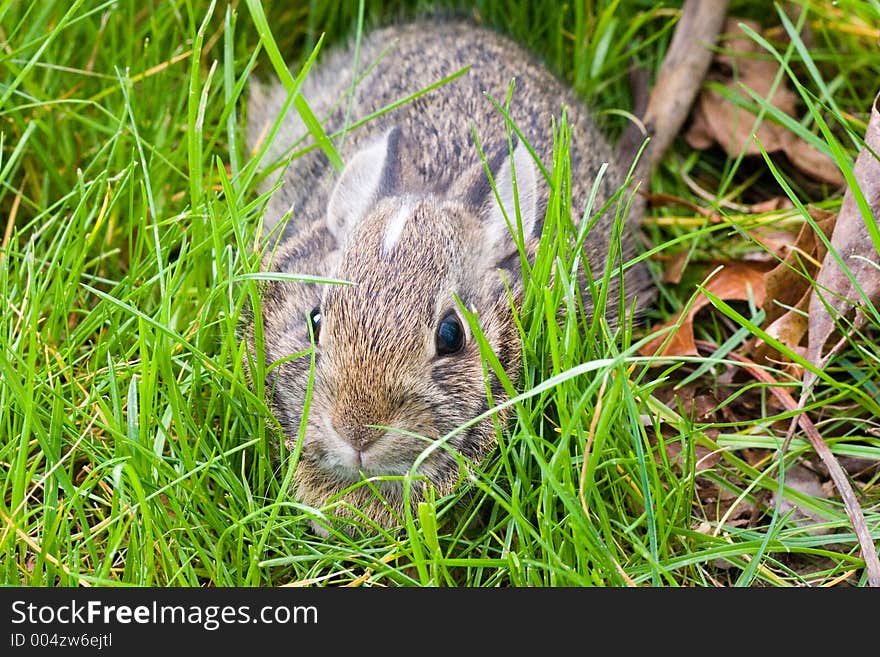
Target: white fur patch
point(395, 226)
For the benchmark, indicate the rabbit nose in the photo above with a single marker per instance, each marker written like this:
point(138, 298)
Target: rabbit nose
point(359, 436)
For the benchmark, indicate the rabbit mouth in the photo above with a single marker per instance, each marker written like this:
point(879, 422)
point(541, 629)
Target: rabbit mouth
point(350, 464)
point(387, 454)
point(341, 460)
point(373, 477)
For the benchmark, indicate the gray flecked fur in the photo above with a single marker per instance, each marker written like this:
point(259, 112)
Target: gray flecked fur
point(412, 221)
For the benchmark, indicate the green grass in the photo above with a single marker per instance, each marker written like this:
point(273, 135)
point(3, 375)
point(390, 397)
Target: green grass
point(133, 450)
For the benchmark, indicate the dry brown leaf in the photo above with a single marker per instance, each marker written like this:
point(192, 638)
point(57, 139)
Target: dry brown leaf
point(806, 482)
point(735, 281)
point(810, 160)
point(852, 241)
point(770, 205)
point(716, 119)
point(857, 468)
point(788, 289)
point(776, 242)
point(790, 280)
point(789, 329)
point(674, 268)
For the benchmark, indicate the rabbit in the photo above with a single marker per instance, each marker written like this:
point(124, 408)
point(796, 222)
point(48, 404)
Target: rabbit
point(413, 222)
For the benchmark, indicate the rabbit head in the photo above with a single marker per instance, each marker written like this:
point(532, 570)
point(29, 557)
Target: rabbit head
point(396, 366)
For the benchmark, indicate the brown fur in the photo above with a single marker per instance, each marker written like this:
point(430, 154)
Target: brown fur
point(416, 169)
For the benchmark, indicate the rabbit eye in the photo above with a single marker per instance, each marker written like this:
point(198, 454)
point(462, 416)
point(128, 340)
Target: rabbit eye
point(450, 335)
point(315, 321)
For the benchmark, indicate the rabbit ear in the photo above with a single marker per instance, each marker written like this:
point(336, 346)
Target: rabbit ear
point(370, 175)
point(497, 212)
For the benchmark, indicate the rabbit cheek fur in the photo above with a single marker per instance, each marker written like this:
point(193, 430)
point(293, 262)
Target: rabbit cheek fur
point(376, 361)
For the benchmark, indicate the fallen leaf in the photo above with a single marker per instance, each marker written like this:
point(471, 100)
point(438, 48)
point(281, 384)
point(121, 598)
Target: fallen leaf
point(735, 281)
point(859, 469)
point(789, 329)
point(811, 160)
point(834, 293)
point(777, 245)
point(806, 482)
point(791, 279)
point(674, 268)
point(717, 119)
point(788, 287)
point(770, 205)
